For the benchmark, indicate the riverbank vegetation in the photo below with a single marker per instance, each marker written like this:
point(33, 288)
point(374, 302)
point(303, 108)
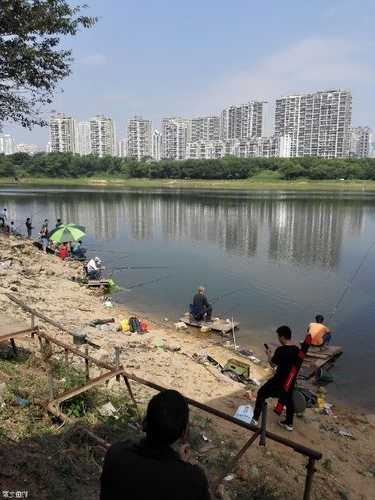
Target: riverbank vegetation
point(70, 166)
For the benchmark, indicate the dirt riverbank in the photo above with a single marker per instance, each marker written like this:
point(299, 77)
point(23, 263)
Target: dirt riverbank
point(166, 357)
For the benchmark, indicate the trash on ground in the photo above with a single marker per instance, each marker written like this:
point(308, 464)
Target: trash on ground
point(22, 402)
point(244, 413)
point(229, 477)
point(107, 410)
point(345, 433)
point(180, 325)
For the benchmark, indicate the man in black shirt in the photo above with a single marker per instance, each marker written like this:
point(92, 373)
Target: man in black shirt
point(201, 309)
point(151, 469)
point(283, 359)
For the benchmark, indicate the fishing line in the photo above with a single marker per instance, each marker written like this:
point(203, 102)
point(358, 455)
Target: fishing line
point(139, 267)
point(355, 274)
point(144, 283)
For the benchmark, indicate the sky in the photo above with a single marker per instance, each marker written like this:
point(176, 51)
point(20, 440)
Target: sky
point(159, 58)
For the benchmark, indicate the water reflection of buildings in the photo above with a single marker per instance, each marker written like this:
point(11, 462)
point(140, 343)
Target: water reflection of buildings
point(296, 230)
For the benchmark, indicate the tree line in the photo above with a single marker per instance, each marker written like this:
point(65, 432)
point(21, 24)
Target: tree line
point(68, 165)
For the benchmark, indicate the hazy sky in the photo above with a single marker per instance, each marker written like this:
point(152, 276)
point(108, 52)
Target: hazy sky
point(159, 58)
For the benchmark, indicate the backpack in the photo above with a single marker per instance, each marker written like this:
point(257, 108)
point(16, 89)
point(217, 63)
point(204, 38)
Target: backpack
point(134, 325)
point(144, 326)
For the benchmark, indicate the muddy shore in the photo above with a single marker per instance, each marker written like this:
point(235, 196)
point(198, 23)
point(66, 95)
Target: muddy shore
point(166, 356)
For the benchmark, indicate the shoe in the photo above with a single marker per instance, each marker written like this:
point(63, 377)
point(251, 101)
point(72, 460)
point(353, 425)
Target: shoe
point(285, 426)
point(254, 422)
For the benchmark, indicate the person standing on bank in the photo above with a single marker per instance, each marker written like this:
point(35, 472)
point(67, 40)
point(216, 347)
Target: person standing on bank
point(151, 468)
point(44, 235)
point(283, 360)
point(29, 227)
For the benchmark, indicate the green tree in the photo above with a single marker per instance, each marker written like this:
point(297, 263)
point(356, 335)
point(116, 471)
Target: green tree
point(31, 61)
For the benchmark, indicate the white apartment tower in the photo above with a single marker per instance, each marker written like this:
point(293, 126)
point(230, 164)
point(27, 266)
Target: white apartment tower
point(102, 136)
point(360, 142)
point(243, 121)
point(62, 134)
point(156, 145)
point(122, 148)
point(319, 124)
point(83, 139)
point(7, 144)
point(175, 133)
point(206, 128)
point(139, 138)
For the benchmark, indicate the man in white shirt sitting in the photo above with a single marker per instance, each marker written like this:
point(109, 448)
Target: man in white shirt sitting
point(94, 268)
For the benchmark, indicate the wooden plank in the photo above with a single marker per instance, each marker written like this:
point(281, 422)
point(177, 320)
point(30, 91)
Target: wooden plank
point(326, 353)
point(216, 325)
point(9, 336)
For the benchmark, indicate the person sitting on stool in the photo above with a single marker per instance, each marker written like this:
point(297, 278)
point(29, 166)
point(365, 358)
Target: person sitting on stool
point(200, 309)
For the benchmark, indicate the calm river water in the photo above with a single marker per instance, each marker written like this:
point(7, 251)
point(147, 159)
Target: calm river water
point(268, 258)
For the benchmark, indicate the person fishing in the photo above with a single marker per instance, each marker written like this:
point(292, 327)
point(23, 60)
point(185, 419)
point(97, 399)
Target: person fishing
point(77, 250)
point(200, 309)
point(320, 333)
point(284, 359)
point(94, 269)
point(29, 227)
point(44, 235)
point(3, 217)
point(156, 467)
point(63, 251)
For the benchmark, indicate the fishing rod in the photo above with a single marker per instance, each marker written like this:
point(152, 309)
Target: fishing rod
point(355, 274)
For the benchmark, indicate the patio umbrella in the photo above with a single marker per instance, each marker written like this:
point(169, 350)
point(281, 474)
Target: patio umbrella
point(67, 233)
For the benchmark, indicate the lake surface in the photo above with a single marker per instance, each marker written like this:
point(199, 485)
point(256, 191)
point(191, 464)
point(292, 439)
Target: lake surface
point(266, 258)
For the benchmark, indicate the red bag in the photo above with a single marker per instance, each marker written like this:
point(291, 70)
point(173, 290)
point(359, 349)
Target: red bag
point(144, 326)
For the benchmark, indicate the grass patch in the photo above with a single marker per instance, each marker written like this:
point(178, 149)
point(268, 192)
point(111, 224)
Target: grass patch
point(261, 181)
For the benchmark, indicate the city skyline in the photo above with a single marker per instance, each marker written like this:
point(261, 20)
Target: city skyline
point(175, 69)
point(315, 124)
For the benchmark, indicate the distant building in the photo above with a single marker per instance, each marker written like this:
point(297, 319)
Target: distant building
point(83, 138)
point(156, 145)
point(242, 122)
point(139, 138)
point(256, 147)
point(319, 124)
point(360, 142)
point(175, 133)
point(29, 149)
point(122, 148)
point(206, 128)
point(102, 136)
point(7, 144)
point(62, 134)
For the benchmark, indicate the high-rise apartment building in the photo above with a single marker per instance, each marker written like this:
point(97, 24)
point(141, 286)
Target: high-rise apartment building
point(319, 124)
point(122, 148)
point(139, 138)
point(205, 128)
point(175, 133)
point(7, 144)
point(242, 122)
point(62, 134)
point(360, 142)
point(102, 135)
point(83, 138)
point(156, 145)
